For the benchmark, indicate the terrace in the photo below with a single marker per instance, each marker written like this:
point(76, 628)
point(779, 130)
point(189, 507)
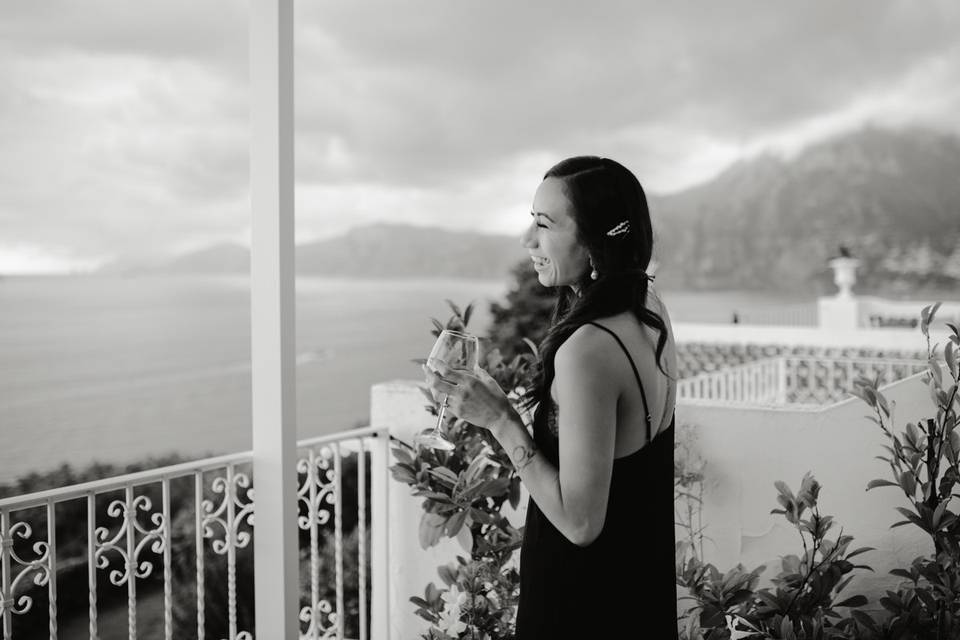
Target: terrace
point(161, 553)
point(164, 553)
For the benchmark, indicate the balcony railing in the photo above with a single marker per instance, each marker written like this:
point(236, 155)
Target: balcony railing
point(188, 522)
point(793, 380)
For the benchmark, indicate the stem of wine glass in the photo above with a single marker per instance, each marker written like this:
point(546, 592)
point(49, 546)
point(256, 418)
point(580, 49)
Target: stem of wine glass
point(443, 408)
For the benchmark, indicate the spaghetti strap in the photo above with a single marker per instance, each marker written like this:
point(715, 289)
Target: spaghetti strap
point(643, 395)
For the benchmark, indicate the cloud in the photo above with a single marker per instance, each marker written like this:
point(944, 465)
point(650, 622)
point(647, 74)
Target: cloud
point(125, 124)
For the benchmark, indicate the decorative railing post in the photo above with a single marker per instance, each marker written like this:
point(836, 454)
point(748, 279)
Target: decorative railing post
point(380, 538)
point(40, 567)
point(6, 594)
point(781, 395)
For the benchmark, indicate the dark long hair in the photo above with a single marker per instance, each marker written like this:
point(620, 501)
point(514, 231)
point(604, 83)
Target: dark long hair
point(603, 194)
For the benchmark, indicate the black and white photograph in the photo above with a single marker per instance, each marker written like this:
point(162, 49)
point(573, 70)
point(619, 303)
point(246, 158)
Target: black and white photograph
point(452, 320)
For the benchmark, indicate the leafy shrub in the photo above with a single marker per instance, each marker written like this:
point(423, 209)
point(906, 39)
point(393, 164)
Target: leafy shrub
point(923, 461)
point(802, 603)
point(464, 492)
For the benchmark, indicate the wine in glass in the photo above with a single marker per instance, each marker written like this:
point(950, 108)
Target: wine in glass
point(456, 350)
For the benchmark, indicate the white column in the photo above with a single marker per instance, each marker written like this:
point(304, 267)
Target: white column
point(380, 526)
point(273, 308)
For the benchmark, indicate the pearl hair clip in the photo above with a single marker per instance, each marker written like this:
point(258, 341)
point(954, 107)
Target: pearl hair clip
point(623, 227)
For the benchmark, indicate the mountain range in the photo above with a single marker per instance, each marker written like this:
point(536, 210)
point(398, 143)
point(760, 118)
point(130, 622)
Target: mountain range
point(374, 251)
point(889, 197)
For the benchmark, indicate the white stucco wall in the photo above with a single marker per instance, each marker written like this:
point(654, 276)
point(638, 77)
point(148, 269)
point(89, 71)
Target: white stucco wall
point(748, 449)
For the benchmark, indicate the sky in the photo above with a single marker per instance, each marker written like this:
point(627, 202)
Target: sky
point(124, 125)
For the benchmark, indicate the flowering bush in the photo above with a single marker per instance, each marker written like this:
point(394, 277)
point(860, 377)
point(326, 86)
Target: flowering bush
point(464, 492)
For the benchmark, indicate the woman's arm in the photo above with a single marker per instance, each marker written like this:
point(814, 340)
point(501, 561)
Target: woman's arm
point(574, 498)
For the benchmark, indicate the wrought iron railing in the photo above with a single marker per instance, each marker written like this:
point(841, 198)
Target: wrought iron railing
point(138, 527)
point(752, 383)
point(829, 380)
point(793, 380)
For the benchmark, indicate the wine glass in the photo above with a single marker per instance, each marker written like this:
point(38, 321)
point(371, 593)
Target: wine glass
point(457, 351)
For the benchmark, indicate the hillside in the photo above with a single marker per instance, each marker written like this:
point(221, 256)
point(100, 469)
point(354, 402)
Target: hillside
point(892, 197)
point(375, 251)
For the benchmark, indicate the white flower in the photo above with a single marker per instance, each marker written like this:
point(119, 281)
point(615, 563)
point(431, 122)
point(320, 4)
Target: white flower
point(454, 597)
point(450, 622)
point(491, 593)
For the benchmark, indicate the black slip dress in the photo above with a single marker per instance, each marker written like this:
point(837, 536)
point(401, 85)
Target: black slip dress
point(622, 585)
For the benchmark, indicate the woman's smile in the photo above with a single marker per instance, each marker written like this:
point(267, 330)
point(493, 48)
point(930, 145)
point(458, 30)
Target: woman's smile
point(540, 263)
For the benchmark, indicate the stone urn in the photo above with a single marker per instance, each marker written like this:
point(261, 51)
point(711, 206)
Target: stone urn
point(844, 275)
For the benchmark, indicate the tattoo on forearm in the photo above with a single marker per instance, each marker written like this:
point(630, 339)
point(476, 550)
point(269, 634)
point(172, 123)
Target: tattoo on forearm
point(522, 456)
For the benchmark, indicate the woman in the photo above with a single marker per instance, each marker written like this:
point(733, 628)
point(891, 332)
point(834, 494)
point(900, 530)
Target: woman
point(598, 551)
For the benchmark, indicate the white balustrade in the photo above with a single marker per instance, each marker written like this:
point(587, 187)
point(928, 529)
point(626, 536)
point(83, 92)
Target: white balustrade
point(792, 380)
point(136, 535)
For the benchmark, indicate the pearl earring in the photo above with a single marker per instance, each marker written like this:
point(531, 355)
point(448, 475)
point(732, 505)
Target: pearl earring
point(594, 274)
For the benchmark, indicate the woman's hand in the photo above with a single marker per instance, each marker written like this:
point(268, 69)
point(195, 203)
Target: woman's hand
point(472, 396)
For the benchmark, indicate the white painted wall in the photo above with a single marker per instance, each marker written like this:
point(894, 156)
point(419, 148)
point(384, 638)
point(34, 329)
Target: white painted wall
point(747, 450)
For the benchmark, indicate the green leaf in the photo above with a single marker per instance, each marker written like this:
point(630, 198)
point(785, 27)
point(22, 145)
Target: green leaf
point(470, 473)
point(453, 525)
point(402, 455)
point(938, 515)
point(443, 474)
point(843, 583)
point(454, 308)
point(884, 405)
point(514, 495)
point(955, 338)
point(432, 495)
point(913, 434)
point(402, 473)
point(786, 629)
point(948, 520)
point(857, 552)
point(873, 484)
point(903, 573)
point(933, 366)
point(465, 538)
point(467, 313)
point(908, 483)
point(494, 487)
point(933, 312)
point(854, 601)
point(431, 529)
point(448, 574)
point(865, 620)
point(532, 346)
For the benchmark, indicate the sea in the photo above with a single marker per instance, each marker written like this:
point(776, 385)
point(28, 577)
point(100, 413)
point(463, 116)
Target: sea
point(116, 369)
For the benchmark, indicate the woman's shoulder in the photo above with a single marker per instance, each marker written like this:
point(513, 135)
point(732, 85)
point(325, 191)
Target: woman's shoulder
point(587, 343)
